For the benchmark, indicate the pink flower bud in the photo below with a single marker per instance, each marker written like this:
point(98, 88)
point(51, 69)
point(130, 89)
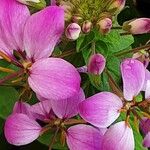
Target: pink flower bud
point(73, 31)
point(96, 64)
point(105, 25)
point(86, 27)
point(68, 7)
point(137, 26)
point(117, 4)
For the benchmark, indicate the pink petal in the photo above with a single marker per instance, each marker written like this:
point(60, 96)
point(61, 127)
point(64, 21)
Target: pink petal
point(84, 137)
point(146, 141)
point(21, 107)
point(13, 16)
point(67, 108)
point(20, 129)
point(118, 137)
point(54, 78)
point(101, 110)
point(42, 32)
point(96, 64)
point(146, 86)
point(42, 110)
point(133, 74)
point(40, 98)
point(53, 2)
point(145, 125)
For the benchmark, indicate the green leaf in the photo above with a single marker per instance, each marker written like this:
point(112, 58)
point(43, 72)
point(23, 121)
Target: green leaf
point(8, 97)
point(137, 137)
point(1, 125)
point(46, 139)
point(114, 41)
point(113, 65)
point(84, 41)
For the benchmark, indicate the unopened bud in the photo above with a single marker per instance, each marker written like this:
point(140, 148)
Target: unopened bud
point(68, 7)
point(76, 19)
point(137, 26)
point(73, 31)
point(117, 5)
point(105, 25)
point(86, 27)
point(96, 64)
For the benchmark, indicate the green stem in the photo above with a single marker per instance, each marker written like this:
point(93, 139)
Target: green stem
point(114, 86)
point(11, 76)
point(66, 53)
point(134, 50)
point(53, 139)
point(117, 27)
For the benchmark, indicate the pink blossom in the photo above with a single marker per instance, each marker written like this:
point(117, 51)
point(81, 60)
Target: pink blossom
point(103, 108)
point(37, 35)
point(22, 128)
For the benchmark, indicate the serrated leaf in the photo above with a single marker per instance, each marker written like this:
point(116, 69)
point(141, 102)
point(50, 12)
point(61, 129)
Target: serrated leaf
point(114, 40)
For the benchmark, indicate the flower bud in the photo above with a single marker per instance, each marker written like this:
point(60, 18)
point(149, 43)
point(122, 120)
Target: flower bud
point(86, 27)
point(137, 26)
point(105, 25)
point(117, 5)
point(73, 31)
point(96, 64)
point(68, 7)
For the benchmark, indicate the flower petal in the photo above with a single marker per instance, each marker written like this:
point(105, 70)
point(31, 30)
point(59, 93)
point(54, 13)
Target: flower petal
point(101, 110)
point(96, 64)
point(54, 78)
point(13, 16)
point(21, 107)
point(20, 129)
point(67, 108)
point(145, 125)
point(42, 32)
point(146, 141)
point(133, 74)
point(84, 137)
point(42, 110)
point(118, 137)
point(146, 86)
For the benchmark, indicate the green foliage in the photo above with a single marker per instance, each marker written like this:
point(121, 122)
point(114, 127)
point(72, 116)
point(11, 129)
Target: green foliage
point(46, 139)
point(108, 45)
point(8, 97)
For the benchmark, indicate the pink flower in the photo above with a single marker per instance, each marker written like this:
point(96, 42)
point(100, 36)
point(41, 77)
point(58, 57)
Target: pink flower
point(37, 35)
point(118, 137)
point(22, 128)
point(84, 137)
point(103, 108)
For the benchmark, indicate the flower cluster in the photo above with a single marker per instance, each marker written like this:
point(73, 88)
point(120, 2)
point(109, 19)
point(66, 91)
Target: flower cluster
point(103, 120)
